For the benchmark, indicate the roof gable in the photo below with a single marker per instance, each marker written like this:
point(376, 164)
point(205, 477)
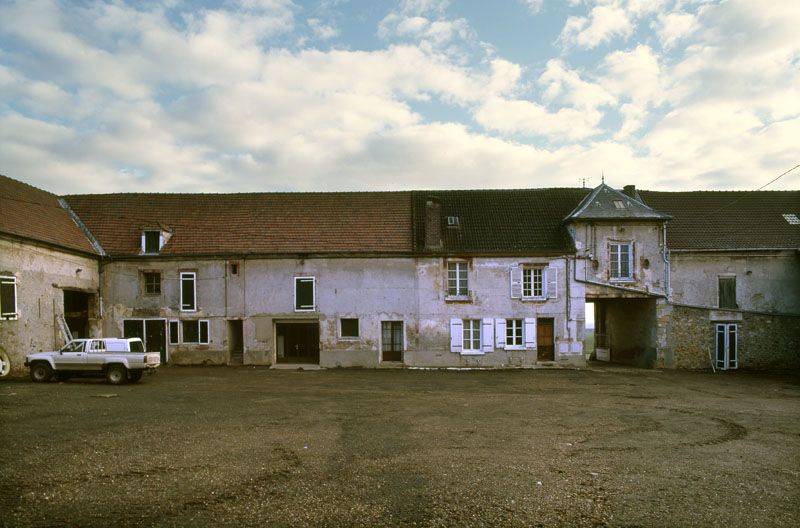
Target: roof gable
point(32, 213)
point(605, 203)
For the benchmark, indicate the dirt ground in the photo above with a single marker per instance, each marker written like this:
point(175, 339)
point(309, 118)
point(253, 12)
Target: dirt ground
point(250, 446)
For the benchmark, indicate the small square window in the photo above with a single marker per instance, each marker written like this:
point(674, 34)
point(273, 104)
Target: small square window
point(152, 282)
point(452, 221)
point(234, 267)
point(349, 327)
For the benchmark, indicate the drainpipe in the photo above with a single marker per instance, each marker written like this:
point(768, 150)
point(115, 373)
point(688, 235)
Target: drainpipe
point(665, 256)
point(569, 302)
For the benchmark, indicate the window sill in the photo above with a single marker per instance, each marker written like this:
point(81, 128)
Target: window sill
point(350, 339)
point(514, 348)
point(472, 352)
point(458, 299)
point(628, 280)
point(305, 310)
point(534, 299)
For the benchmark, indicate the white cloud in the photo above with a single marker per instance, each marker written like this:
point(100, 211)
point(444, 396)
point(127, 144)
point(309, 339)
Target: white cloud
point(534, 6)
point(321, 30)
point(565, 84)
point(514, 116)
point(604, 23)
point(672, 27)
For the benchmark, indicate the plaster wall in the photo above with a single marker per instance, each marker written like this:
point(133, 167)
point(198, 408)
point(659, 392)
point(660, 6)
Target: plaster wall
point(489, 283)
point(766, 282)
point(42, 275)
point(592, 241)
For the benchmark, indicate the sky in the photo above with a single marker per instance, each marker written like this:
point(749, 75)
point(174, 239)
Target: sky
point(356, 95)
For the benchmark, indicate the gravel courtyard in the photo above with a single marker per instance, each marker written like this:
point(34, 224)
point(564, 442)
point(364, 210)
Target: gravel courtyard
point(248, 446)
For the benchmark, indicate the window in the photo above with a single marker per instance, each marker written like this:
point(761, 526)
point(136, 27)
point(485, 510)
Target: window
point(619, 204)
point(621, 256)
point(513, 333)
point(452, 221)
point(152, 282)
point(532, 282)
point(8, 297)
point(174, 337)
point(349, 327)
point(195, 332)
point(392, 340)
point(234, 268)
point(727, 292)
point(304, 294)
point(151, 242)
point(472, 335)
point(97, 345)
point(727, 341)
point(457, 284)
point(188, 291)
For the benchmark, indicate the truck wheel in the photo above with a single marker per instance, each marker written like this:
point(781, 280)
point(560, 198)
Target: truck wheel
point(5, 364)
point(134, 375)
point(116, 374)
point(41, 372)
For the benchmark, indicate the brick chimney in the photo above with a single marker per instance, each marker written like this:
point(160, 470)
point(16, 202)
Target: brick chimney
point(630, 190)
point(433, 224)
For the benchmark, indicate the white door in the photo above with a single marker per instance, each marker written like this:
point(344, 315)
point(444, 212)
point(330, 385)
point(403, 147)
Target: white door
point(727, 339)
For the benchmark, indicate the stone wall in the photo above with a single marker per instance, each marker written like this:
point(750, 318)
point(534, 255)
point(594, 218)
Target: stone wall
point(765, 341)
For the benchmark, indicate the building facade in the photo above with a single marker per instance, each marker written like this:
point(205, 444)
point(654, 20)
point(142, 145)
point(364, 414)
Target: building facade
point(481, 279)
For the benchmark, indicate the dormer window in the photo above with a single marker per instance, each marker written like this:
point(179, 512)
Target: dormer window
point(452, 221)
point(151, 242)
point(619, 204)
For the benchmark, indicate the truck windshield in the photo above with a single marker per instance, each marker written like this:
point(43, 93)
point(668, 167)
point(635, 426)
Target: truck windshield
point(137, 346)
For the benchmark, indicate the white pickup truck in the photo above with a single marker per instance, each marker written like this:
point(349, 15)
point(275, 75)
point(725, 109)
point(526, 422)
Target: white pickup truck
point(119, 360)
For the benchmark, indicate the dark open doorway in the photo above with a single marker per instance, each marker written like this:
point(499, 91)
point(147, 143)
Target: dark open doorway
point(297, 342)
point(77, 306)
point(235, 342)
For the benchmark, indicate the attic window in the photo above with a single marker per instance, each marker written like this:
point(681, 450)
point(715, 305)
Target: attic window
point(791, 218)
point(619, 204)
point(151, 241)
point(452, 221)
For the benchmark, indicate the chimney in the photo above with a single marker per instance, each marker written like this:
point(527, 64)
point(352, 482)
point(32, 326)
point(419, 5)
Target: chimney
point(433, 224)
point(630, 190)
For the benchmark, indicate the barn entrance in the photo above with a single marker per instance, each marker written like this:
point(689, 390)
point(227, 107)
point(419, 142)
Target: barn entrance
point(77, 307)
point(625, 330)
point(297, 342)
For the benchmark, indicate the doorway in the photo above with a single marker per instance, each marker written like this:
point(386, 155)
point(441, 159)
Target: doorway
point(152, 332)
point(545, 345)
point(76, 312)
point(235, 342)
point(297, 342)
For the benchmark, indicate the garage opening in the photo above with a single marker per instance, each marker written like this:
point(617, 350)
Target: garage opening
point(297, 342)
point(625, 331)
point(235, 342)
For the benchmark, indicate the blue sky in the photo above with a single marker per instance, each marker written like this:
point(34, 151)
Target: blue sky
point(263, 95)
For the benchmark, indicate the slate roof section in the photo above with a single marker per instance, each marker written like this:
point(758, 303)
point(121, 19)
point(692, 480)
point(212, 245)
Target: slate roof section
point(251, 223)
point(725, 220)
point(606, 203)
point(513, 221)
point(32, 213)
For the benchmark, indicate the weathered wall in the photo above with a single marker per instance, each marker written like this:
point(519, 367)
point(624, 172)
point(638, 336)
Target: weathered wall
point(649, 269)
point(765, 341)
point(489, 281)
point(766, 282)
point(42, 276)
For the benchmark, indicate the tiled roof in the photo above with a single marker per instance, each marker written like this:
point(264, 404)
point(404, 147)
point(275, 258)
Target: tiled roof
point(32, 213)
point(257, 223)
point(728, 219)
point(500, 221)
point(605, 203)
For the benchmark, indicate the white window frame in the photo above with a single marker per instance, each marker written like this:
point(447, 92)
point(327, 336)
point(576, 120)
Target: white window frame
point(512, 328)
point(615, 248)
point(199, 322)
point(728, 330)
point(461, 268)
point(469, 329)
point(144, 242)
point(306, 308)
point(10, 316)
point(529, 292)
point(193, 275)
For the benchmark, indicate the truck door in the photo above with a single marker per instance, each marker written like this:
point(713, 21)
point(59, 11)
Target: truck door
point(95, 358)
point(72, 356)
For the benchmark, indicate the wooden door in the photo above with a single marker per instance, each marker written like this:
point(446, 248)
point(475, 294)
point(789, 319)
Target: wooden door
point(544, 339)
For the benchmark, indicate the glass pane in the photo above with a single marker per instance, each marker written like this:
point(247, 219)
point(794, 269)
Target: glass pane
point(187, 292)
point(173, 332)
point(397, 336)
point(7, 294)
point(304, 294)
point(204, 331)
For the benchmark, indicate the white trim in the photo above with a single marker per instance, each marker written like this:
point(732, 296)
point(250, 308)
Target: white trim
point(199, 333)
point(470, 327)
point(487, 334)
point(521, 346)
point(193, 275)
point(630, 276)
point(456, 335)
point(458, 277)
point(500, 333)
point(313, 281)
point(12, 316)
point(529, 332)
